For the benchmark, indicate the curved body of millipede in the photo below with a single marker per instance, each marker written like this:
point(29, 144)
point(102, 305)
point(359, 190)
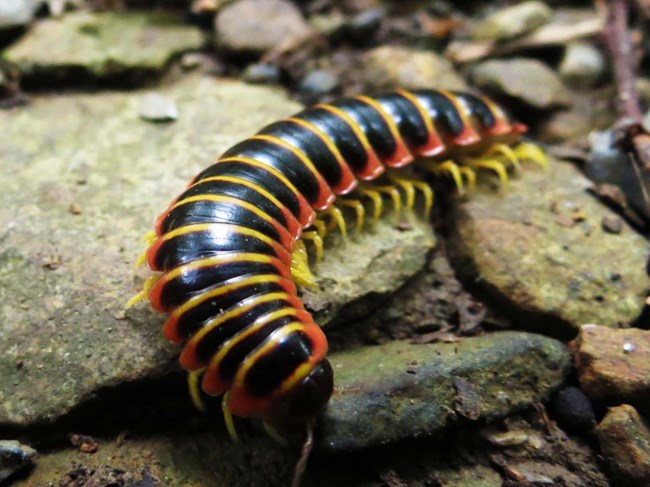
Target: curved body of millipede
point(231, 248)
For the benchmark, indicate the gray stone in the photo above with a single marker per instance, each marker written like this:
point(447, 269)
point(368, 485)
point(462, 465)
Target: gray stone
point(15, 13)
point(319, 82)
point(582, 66)
point(526, 80)
point(261, 73)
point(14, 457)
point(255, 26)
point(389, 67)
point(535, 254)
point(510, 22)
point(101, 45)
point(399, 390)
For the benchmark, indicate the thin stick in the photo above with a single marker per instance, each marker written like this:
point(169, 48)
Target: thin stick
point(304, 456)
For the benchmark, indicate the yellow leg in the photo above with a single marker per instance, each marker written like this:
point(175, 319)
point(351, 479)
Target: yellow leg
point(450, 167)
point(144, 294)
point(506, 153)
point(300, 271)
point(393, 194)
point(531, 152)
point(337, 220)
point(358, 208)
point(273, 433)
point(141, 258)
point(320, 227)
point(317, 241)
point(491, 164)
point(427, 193)
point(149, 237)
point(227, 416)
point(377, 203)
point(407, 186)
point(194, 384)
point(470, 176)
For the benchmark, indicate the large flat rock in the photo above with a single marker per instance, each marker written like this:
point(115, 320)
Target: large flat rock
point(401, 390)
point(539, 247)
point(84, 177)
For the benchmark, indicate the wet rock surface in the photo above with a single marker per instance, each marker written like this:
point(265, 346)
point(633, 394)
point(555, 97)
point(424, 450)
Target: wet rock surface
point(14, 458)
point(536, 255)
point(625, 442)
point(527, 80)
point(122, 47)
point(424, 388)
point(614, 364)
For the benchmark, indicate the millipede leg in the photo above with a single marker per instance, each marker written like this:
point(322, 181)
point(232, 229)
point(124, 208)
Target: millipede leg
point(470, 176)
point(227, 416)
point(337, 220)
point(149, 237)
point(300, 271)
point(450, 167)
point(144, 294)
point(273, 433)
point(320, 226)
point(506, 152)
point(317, 241)
point(491, 164)
point(427, 193)
point(141, 258)
point(194, 384)
point(377, 203)
point(407, 186)
point(358, 208)
point(531, 152)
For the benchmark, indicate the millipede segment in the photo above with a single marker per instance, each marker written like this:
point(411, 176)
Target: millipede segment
point(230, 251)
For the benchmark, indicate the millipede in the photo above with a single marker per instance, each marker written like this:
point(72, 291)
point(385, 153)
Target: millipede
point(231, 251)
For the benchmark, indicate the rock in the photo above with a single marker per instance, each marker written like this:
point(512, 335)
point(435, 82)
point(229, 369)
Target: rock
point(614, 364)
point(399, 390)
point(565, 125)
point(14, 457)
point(121, 172)
point(535, 256)
point(319, 83)
point(573, 410)
point(365, 23)
point(389, 67)
point(510, 22)
point(157, 108)
point(117, 173)
point(625, 444)
point(527, 80)
point(261, 73)
point(15, 13)
point(582, 66)
point(356, 274)
point(111, 46)
point(252, 27)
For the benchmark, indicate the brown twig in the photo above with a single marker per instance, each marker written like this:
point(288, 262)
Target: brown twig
point(629, 133)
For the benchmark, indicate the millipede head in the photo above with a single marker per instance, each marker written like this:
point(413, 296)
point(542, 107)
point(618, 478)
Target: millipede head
point(306, 400)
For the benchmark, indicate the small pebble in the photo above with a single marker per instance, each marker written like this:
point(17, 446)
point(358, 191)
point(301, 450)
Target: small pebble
point(320, 82)
point(365, 23)
point(157, 108)
point(573, 410)
point(583, 66)
point(261, 73)
point(612, 224)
